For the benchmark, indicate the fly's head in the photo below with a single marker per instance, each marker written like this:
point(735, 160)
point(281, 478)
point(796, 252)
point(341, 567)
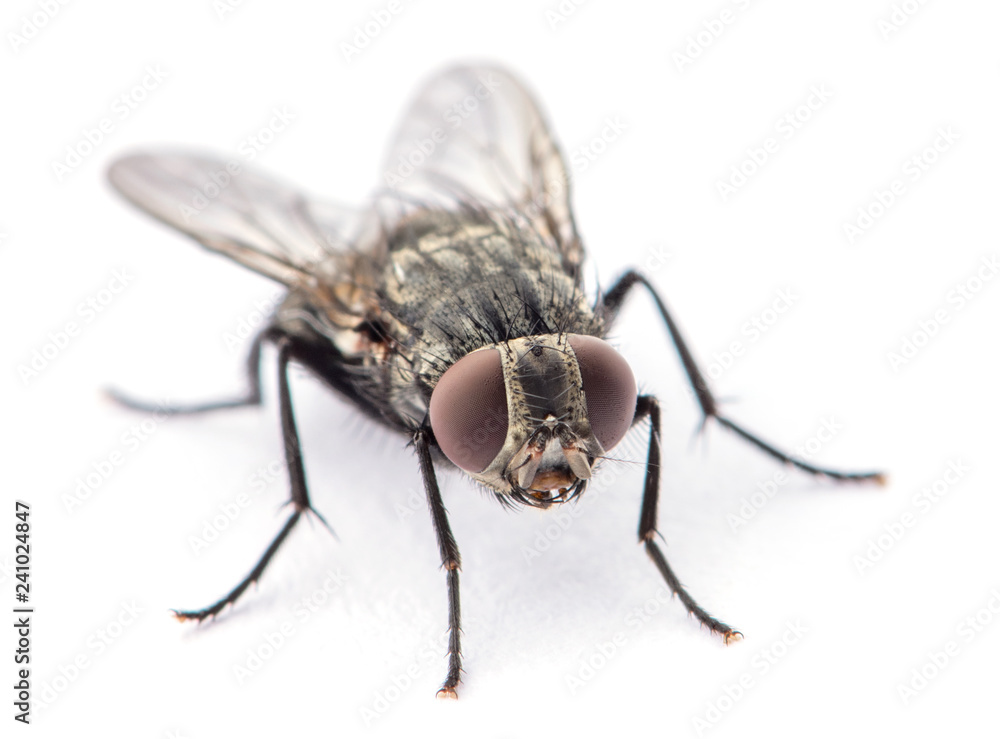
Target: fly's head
point(529, 417)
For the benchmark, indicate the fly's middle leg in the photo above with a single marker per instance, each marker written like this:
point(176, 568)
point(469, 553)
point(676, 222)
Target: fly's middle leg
point(299, 492)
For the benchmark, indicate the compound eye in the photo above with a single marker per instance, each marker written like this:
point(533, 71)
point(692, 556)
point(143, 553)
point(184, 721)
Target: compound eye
point(468, 410)
point(609, 386)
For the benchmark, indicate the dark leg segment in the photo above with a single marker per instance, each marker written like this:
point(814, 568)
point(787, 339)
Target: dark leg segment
point(647, 406)
point(253, 396)
point(450, 559)
point(613, 300)
point(249, 580)
point(296, 478)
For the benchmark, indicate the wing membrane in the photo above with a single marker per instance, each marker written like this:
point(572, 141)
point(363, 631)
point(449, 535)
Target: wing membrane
point(237, 211)
point(474, 137)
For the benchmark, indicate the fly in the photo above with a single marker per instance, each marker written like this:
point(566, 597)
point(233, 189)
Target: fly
point(452, 310)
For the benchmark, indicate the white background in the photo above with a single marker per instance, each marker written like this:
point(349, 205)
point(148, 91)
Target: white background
point(651, 199)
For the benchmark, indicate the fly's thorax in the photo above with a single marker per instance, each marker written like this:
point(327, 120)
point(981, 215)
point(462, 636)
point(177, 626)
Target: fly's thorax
point(529, 417)
point(456, 282)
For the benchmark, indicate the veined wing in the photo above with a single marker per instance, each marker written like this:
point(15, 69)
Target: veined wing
point(475, 138)
point(239, 212)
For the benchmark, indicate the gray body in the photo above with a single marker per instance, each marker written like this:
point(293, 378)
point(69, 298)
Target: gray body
point(446, 285)
point(394, 316)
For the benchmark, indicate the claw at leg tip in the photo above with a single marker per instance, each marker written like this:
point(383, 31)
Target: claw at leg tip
point(447, 694)
point(732, 637)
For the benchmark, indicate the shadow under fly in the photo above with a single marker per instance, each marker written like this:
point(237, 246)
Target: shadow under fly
point(451, 310)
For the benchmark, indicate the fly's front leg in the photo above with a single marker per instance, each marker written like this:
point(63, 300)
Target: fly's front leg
point(299, 493)
point(647, 406)
point(613, 300)
point(450, 560)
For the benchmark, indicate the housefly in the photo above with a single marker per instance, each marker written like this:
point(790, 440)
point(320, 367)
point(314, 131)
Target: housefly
point(451, 310)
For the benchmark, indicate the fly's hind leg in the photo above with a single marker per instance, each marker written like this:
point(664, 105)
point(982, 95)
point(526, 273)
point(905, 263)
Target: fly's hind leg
point(613, 300)
point(297, 481)
point(251, 398)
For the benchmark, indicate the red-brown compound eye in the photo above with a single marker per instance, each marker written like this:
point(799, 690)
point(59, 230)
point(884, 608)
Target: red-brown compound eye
point(609, 386)
point(469, 410)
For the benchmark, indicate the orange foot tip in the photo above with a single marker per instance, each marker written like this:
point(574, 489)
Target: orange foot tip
point(447, 694)
point(881, 479)
point(731, 637)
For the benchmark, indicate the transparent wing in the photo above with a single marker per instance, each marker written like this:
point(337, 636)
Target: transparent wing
point(474, 137)
point(237, 211)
